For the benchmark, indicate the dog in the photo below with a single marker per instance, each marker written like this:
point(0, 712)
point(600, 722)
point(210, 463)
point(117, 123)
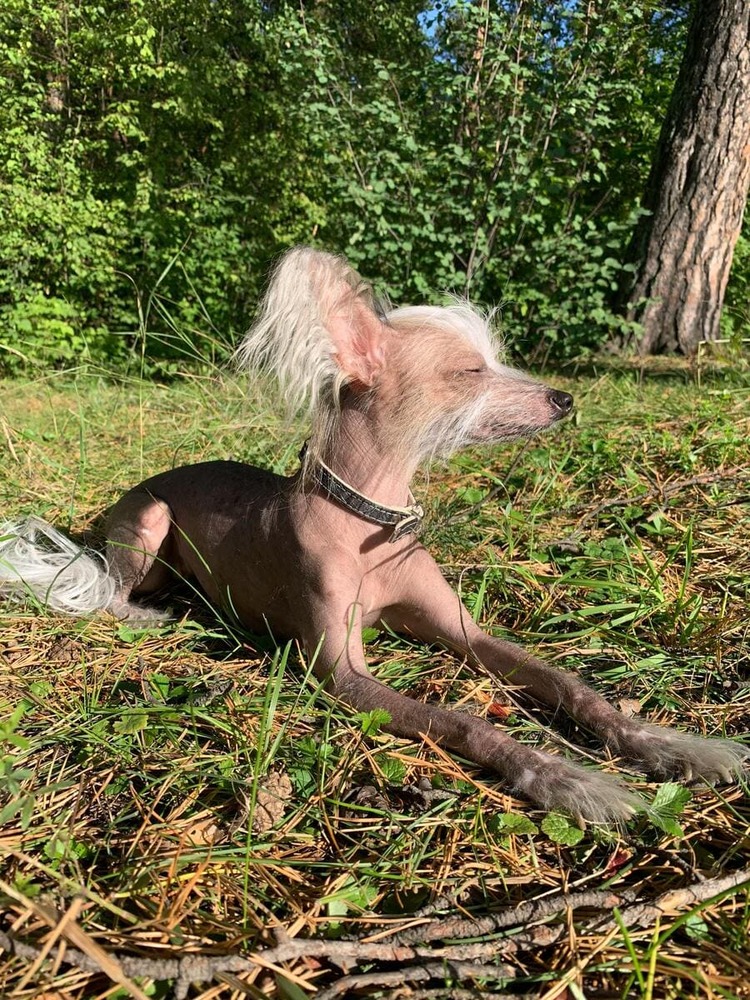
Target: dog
point(333, 549)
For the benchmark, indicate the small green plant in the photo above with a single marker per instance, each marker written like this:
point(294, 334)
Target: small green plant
point(668, 804)
point(372, 722)
point(561, 830)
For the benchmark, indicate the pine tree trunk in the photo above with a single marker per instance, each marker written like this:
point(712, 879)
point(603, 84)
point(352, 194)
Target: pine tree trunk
point(697, 188)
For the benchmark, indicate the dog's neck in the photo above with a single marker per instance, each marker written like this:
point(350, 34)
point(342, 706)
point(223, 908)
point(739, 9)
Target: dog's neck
point(359, 455)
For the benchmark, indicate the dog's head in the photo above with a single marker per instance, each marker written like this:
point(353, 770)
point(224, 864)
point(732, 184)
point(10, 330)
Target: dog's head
point(430, 376)
point(449, 384)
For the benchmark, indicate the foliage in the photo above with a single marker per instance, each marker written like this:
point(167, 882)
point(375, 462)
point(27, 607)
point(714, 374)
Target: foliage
point(119, 152)
point(165, 152)
point(735, 317)
point(481, 167)
point(669, 803)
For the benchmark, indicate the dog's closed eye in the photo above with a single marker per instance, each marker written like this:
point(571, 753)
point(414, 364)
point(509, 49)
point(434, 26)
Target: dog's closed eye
point(466, 365)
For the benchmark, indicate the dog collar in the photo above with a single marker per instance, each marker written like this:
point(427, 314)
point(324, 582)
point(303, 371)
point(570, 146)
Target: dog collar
point(404, 520)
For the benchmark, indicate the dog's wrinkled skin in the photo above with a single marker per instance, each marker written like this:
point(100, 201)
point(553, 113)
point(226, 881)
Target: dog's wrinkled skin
point(386, 391)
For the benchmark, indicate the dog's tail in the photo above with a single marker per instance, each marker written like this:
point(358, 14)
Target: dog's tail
point(38, 561)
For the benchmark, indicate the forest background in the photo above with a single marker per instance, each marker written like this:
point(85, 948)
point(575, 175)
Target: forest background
point(156, 155)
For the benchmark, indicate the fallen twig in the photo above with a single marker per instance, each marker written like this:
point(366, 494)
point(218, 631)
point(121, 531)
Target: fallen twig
point(663, 492)
point(645, 914)
point(416, 974)
point(458, 993)
point(418, 960)
point(453, 928)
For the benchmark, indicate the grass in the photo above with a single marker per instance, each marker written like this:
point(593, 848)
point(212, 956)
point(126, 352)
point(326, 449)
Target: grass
point(187, 789)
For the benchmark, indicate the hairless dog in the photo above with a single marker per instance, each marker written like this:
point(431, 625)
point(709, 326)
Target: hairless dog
point(333, 549)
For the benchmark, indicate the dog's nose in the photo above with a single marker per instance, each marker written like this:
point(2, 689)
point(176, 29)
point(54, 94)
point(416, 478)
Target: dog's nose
point(561, 401)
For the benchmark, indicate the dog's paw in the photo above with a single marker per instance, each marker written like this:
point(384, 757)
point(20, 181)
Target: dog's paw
point(590, 796)
point(139, 615)
point(668, 753)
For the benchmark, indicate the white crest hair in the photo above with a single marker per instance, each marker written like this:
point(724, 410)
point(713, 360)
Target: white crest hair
point(38, 560)
point(460, 317)
point(289, 337)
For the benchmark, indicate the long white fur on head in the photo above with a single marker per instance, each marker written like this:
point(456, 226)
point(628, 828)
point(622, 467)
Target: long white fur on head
point(460, 319)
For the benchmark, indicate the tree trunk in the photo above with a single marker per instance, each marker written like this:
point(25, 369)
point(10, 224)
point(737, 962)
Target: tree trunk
point(697, 188)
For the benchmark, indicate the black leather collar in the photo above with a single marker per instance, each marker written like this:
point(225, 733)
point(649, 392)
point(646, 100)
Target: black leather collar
point(404, 520)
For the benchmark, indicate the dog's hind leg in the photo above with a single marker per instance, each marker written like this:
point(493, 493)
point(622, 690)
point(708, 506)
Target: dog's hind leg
point(138, 552)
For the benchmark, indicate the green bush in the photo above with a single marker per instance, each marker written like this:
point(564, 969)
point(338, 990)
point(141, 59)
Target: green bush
point(155, 156)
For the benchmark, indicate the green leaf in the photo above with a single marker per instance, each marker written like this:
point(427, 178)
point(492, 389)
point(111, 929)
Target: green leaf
point(372, 722)
point(337, 908)
point(516, 823)
point(669, 803)
point(696, 928)
point(288, 990)
point(8, 726)
point(160, 684)
point(303, 780)
point(357, 896)
point(393, 770)
point(133, 722)
point(9, 810)
point(55, 848)
point(561, 830)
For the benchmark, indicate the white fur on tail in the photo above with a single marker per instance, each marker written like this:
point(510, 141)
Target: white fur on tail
point(38, 560)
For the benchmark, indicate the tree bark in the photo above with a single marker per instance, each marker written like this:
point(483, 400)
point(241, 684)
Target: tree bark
point(697, 188)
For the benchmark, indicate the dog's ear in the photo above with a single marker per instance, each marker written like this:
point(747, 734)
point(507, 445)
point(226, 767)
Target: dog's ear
point(359, 337)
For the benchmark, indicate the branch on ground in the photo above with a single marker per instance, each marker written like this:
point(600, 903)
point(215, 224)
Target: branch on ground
point(418, 960)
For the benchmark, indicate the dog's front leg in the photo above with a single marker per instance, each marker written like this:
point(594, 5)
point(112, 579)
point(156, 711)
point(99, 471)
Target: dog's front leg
point(662, 751)
point(549, 781)
point(435, 613)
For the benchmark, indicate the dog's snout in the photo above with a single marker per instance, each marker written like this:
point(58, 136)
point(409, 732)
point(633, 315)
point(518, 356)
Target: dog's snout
point(561, 401)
